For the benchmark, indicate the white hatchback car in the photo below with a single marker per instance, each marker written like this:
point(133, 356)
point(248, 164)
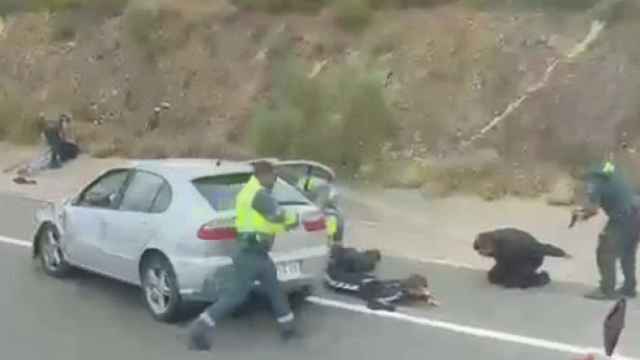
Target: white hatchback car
point(168, 226)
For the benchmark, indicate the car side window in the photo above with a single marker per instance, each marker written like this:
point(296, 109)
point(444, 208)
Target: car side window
point(141, 192)
point(162, 200)
point(105, 191)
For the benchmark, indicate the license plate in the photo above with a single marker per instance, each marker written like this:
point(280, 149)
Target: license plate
point(288, 271)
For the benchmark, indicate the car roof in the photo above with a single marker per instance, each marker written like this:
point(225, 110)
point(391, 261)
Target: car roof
point(190, 169)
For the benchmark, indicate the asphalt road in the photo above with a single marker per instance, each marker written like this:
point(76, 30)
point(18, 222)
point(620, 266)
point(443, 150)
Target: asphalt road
point(88, 317)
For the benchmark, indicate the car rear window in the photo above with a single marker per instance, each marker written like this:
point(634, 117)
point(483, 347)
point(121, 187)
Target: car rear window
point(221, 191)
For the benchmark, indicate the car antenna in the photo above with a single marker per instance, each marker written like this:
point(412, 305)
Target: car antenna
point(218, 162)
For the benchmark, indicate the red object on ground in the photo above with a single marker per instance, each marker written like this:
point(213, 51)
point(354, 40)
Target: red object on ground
point(587, 357)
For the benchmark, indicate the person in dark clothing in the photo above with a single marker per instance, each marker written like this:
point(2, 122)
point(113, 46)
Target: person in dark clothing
point(68, 148)
point(607, 189)
point(352, 260)
point(349, 271)
point(52, 136)
point(259, 219)
point(518, 256)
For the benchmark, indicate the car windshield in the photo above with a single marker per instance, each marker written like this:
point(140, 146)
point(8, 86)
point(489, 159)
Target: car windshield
point(221, 191)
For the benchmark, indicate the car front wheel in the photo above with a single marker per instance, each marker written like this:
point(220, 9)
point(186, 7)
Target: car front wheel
point(50, 253)
point(160, 289)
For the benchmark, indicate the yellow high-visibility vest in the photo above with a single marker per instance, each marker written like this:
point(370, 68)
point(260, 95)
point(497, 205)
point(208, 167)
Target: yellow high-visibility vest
point(248, 220)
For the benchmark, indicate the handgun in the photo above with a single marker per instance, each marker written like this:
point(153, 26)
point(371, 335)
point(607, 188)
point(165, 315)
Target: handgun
point(574, 220)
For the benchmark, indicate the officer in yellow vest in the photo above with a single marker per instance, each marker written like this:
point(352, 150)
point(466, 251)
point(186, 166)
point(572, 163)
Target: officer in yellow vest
point(318, 190)
point(259, 219)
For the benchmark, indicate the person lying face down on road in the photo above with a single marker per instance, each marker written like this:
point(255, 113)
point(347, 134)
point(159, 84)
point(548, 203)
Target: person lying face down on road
point(349, 271)
point(518, 255)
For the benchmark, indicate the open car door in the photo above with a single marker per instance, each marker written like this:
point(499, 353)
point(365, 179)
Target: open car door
point(292, 171)
point(317, 182)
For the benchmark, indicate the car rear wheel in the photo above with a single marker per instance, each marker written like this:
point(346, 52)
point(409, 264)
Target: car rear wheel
point(50, 253)
point(160, 289)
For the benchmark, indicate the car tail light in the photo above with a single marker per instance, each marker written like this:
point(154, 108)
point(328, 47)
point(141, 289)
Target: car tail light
point(315, 225)
point(216, 233)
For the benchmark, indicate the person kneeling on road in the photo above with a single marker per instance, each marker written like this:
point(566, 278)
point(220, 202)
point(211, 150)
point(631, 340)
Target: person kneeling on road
point(259, 219)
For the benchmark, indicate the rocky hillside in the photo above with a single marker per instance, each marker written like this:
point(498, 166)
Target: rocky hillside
point(408, 81)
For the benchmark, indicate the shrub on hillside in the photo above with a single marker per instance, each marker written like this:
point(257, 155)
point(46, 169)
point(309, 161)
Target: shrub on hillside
point(404, 4)
point(570, 5)
point(9, 111)
point(278, 6)
point(343, 122)
point(103, 8)
point(18, 123)
point(353, 15)
point(157, 30)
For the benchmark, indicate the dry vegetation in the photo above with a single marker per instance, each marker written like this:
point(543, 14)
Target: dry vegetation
point(341, 121)
point(403, 82)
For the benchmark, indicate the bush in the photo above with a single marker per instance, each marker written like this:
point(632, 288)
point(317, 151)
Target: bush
point(272, 130)
point(17, 123)
point(565, 5)
point(106, 8)
point(353, 15)
point(385, 44)
point(279, 6)
point(63, 29)
point(9, 111)
point(157, 30)
point(404, 4)
point(342, 122)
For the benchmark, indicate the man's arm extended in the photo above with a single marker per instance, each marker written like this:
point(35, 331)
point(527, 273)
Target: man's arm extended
point(268, 207)
point(591, 206)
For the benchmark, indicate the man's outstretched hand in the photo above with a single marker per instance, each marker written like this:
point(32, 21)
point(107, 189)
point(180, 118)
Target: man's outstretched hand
point(581, 214)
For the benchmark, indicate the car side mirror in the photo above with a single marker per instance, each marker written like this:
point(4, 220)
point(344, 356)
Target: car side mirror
point(100, 199)
point(70, 200)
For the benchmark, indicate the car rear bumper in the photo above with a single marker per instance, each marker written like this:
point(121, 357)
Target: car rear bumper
point(201, 280)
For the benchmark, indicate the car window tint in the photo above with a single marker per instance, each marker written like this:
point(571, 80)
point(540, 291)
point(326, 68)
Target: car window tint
point(141, 192)
point(287, 194)
point(163, 199)
point(221, 191)
point(109, 186)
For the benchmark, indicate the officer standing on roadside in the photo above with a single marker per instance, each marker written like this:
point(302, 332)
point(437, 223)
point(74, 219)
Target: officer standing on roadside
point(607, 189)
point(259, 219)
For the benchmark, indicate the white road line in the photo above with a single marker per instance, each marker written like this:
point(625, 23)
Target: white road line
point(16, 242)
point(463, 329)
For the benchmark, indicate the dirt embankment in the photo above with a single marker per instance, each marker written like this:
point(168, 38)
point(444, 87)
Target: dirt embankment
point(445, 72)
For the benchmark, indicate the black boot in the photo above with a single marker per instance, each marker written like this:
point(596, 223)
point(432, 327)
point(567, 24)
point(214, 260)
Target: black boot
point(200, 335)
point(288, 331)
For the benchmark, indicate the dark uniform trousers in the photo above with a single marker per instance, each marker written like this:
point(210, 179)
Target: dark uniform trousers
point(251, 264)
point(619, 240)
